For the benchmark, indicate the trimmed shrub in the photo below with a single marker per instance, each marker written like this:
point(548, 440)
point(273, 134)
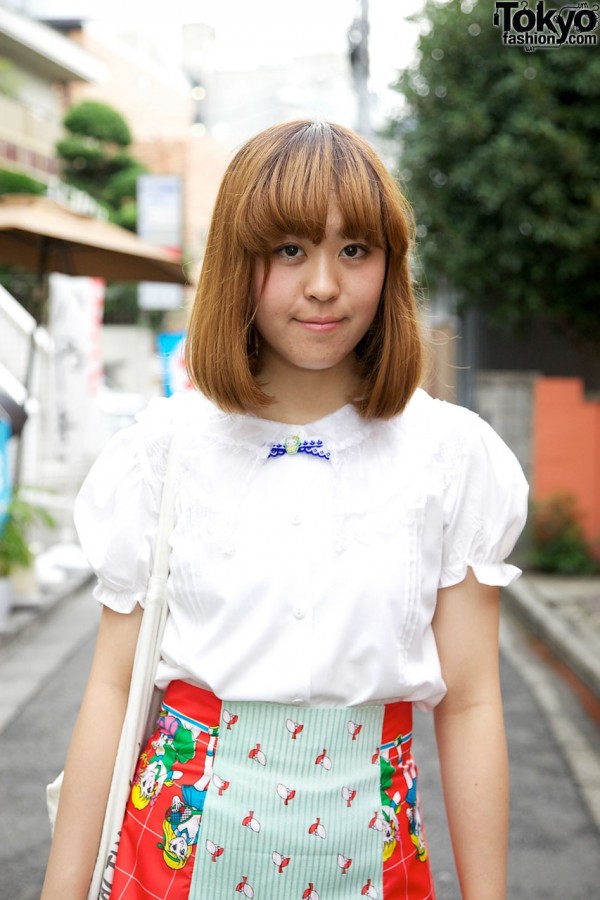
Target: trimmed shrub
point(19, 183)
point(98, 120)
point(557, 541)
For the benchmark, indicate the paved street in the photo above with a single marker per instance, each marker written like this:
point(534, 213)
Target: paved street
point(554, 843)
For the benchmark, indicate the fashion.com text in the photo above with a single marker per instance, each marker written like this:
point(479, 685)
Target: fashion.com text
point(542, 27)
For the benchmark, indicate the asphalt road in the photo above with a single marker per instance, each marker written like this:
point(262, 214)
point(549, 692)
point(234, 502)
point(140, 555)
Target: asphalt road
point(554, 844)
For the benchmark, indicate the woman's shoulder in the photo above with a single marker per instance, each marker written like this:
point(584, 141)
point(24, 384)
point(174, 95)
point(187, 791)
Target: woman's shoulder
point(428, 419)
point(440, 432)
point(187, 412)
point(457, 436)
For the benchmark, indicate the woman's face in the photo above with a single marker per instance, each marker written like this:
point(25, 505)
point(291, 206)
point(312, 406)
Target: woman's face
point(319, 299)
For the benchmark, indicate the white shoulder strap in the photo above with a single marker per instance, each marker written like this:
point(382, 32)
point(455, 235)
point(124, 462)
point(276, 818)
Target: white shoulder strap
point(143, 674)
point(166, 520)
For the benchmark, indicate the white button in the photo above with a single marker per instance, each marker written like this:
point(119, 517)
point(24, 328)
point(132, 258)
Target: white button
point(297, 700)
point(299, 612)
point(296, 519)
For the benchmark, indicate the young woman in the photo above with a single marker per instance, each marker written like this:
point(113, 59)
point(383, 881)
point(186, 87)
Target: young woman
point(339, 544)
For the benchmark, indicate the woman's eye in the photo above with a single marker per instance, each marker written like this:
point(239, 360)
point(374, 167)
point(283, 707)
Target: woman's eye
point(354, 251)
point(289, 251)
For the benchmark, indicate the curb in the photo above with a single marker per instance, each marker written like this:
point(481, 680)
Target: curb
point(563, 641)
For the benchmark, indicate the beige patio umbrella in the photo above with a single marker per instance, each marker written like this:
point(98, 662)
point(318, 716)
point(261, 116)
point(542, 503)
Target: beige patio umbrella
point(41, 234)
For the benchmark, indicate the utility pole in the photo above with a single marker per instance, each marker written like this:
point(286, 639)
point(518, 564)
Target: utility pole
point(358, 49)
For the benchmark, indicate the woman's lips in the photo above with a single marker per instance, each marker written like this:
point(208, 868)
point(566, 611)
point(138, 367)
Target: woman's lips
point(319, 325)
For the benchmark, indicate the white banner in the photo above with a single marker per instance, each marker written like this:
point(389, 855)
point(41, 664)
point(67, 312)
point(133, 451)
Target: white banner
point(74, 323)
point(160, 222)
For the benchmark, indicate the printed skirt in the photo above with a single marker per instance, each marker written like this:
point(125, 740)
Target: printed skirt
point(274, 802)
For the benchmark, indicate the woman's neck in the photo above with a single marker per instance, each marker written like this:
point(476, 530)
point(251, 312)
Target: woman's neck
point(304, 395)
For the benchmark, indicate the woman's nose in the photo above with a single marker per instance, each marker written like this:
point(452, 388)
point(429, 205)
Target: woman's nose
point(322, 282)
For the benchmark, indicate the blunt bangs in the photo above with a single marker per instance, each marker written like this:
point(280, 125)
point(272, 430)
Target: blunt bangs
point(294, 180)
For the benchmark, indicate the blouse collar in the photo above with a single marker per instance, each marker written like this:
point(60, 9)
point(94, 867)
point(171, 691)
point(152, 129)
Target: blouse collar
point(338, 430)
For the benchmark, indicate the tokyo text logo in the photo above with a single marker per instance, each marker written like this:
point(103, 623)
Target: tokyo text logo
point(546, 28)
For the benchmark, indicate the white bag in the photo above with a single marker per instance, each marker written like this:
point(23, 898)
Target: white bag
point(52, 798)
point(142, 693)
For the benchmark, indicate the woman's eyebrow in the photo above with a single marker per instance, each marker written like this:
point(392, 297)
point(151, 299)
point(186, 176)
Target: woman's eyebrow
point(351, 236)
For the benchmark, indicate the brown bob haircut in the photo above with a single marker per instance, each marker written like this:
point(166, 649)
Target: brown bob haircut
point(279, 183)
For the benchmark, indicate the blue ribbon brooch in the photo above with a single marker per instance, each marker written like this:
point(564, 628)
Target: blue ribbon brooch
point(293, 445)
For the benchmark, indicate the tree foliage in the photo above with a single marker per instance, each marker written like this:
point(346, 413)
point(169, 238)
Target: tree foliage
point(96, 159)
point(122, 186)
point(500, 154)
point(98, 120)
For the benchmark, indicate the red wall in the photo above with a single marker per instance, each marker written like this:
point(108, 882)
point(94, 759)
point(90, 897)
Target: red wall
point(566, 447)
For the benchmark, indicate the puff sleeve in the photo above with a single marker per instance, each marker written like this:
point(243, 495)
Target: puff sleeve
point(485, 508)
point(116, 511)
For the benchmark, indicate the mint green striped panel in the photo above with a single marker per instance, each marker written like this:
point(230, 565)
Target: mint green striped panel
point(301, 790)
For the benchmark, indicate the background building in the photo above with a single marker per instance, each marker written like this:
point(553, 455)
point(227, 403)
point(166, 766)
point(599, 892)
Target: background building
point(38, 68)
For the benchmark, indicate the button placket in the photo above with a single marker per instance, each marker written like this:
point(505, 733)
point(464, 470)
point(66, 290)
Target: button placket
point(302, 519)
point(299, 651)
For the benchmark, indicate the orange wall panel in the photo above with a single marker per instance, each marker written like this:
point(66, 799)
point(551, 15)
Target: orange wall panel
point(566, 450)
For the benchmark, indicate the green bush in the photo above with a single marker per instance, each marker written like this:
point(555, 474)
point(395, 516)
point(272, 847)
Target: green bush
point(98, 120)
point(108, 176)
point(121, 162)
point(126, 216)
point(81, 153)
point(122, 187)
point(19, 183)
point(14, 546)
point(90, 157)
point(557, 542)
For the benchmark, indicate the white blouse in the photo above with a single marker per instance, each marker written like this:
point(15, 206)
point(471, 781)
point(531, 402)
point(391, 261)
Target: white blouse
point(301, 578)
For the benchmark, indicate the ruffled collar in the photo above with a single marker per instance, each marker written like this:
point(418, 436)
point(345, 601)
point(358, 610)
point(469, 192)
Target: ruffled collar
point(338, 430)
